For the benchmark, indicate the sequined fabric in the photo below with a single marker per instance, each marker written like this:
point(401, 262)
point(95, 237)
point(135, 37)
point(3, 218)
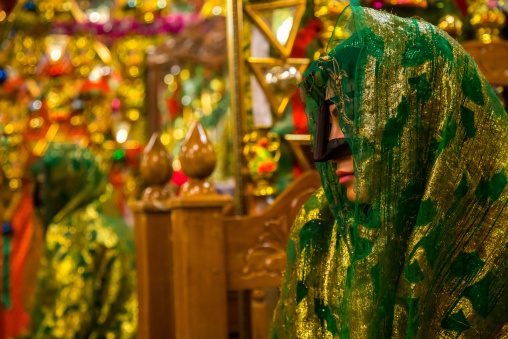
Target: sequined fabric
point(86, 283)
point(422, 252)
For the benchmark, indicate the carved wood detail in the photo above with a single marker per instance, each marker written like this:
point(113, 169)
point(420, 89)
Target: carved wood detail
point(268, 255)
point(256, 245)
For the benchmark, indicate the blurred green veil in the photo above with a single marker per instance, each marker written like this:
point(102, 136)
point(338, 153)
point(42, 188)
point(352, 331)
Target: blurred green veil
point(87, 278)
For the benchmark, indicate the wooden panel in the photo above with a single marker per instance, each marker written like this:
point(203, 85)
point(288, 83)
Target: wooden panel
point(256, 245)
point(492, 59)
point(259, 315)
point(153, 258)
point(199, 285)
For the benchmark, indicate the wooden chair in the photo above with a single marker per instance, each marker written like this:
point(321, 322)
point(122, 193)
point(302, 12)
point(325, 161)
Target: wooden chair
point(492, 59)
point(189, 255)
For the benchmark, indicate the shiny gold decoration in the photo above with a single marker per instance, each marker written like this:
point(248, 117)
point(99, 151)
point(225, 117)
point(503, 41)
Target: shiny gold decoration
point(156, 170)
point(36, 123)
point(41, 145)
point(83, 51)
point(328, 11)
point(263, 15)
point(102, 51)
point(27, 50)
point(59, 100)
point(77, 13)
point(130, 54)
point(487, 20)
point(56, 45)
point(278, 99)
point(451, 24)
point(131, 50)
point(60, 9)
point(33, 87)
point(13, 156)
point(408, 3)
point(213, 8)
point(198, 159)
point(282, 78)
point(262, 152)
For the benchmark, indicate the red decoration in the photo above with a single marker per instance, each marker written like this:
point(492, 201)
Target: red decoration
point(266, 167)
point(15, 320)
point(100, 86)
point(304, 37)
point(35, 134)
point(462, 5)
point(13, 84)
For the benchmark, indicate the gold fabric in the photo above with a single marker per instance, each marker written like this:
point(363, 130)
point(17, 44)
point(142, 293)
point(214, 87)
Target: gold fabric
point(423, 251)
point(87, 281)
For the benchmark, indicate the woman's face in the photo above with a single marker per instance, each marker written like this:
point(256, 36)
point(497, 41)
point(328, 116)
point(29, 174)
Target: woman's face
point(345, 165)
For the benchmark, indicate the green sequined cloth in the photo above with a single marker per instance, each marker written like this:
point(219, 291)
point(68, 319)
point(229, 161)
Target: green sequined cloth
point(422, 252)
point(87, 278)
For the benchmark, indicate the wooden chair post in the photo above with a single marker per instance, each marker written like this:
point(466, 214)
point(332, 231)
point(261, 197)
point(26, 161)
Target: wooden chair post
point(189, 255)
point(152, 229)
point(259, 314)
point(198, 253)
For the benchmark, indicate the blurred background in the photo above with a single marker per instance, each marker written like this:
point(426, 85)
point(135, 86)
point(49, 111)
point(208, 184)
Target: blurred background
point(107, 75)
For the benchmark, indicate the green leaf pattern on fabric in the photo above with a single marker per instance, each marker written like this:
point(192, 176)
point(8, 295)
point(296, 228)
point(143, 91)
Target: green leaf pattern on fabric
point(422, 252)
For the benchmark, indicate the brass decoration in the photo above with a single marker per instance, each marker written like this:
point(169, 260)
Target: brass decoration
point(102, 51)
point(262, 151)
point(263, 14)
point(451, 24)
point(42, 144)
point(328, 12)
point(278, 97)
point(197, 158)
point(268, 255)
point(487, 20)
point(77, 13)
point(33, 87)
point(300, 145)
point(156, 170)
point(56, 45)
point(80, 17)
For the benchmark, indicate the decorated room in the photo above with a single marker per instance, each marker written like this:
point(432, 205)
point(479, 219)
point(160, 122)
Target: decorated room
point(253, 169)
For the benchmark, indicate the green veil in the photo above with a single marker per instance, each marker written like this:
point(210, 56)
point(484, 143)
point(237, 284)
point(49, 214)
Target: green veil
point(87, 278)
point(422, 252)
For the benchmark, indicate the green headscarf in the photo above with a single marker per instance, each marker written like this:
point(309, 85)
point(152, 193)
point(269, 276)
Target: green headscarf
point(71, 178)
point(87, 278)
point(422, 252)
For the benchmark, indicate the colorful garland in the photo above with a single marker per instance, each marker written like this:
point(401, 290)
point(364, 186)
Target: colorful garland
point(118, 28)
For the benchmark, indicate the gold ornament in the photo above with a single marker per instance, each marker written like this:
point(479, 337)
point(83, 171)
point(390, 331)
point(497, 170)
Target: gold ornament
point(268, 72)
point(451, 24)
point(328, 11)
point(280, 33)
point(487, 21)
point(283, 78)
point(262, 152)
